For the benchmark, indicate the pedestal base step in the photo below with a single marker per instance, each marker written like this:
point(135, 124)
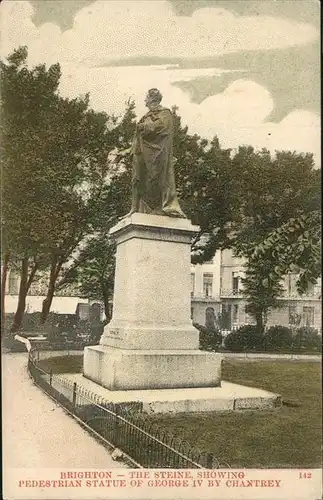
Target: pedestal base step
point(123, 369)
point(228, 397)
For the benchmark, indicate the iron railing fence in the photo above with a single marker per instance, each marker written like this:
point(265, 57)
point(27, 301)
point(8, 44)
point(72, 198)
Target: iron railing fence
point(123, 426)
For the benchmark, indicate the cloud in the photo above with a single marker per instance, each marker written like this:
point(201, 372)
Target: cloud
point(111, 87)
point(238, 116)
point(119, 29)
point(114, 30)
point(127, 28)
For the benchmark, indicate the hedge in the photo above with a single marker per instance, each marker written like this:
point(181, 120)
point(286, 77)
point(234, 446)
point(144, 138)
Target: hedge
point(210, 338)
point(276, 338)
point(246, 337)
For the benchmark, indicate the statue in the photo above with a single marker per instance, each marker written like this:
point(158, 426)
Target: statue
point(153, 182)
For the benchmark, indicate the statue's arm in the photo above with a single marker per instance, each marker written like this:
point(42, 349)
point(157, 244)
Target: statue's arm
point(161, 125)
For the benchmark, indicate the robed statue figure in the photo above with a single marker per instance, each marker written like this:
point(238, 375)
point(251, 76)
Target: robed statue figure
point(153, 183)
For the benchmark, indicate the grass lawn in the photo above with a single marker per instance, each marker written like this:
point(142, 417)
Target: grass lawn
point(285, 437)
point(62, 364)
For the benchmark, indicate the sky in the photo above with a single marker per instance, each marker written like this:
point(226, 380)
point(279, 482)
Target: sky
point(247, 71)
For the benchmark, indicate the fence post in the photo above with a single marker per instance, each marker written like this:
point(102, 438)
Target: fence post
point(209, 461)
point(116, 425)
point(37, 355)
point(50, 376)
point(74, 394)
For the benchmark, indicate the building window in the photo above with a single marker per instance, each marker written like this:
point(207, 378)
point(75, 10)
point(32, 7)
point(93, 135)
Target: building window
point(192, 284)
point(235, 284)
point(235, 314)
point(13, 284)
point(207, 284)
point(308, 315)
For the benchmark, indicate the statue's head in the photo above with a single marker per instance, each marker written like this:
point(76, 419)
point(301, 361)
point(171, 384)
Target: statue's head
point(153, 98)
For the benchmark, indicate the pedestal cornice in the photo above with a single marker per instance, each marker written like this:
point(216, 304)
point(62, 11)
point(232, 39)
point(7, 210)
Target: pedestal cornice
point(157, 227)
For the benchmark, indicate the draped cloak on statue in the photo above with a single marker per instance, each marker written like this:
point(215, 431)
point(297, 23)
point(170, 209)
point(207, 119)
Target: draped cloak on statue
point(153, 185)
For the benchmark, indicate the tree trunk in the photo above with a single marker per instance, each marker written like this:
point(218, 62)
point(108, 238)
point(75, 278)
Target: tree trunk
point(260, 322)
point(4, 275)
point(47, 302)
point(32, 276)
point(25, 283)
point(21, 297)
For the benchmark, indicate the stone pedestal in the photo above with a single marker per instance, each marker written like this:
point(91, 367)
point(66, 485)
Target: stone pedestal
point(150, 342)
point(123, 369)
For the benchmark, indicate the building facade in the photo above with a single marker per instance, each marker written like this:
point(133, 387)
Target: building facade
point(217, 289)
point(66, 301)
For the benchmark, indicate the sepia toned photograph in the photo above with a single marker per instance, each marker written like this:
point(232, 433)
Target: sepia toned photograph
point(161, 311)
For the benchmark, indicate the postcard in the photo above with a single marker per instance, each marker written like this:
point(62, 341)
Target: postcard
point(161, 249)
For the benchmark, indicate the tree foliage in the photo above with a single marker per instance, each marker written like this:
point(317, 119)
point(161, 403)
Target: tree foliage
point(205, 187)
point(294, 247)
point(279, 197)
point(93, 268)
point(55, 163)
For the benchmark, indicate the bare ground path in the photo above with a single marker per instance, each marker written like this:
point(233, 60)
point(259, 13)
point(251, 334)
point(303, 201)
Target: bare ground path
point(36, 432)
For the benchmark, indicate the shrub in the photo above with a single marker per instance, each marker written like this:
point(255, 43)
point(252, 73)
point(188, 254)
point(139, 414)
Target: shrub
point(31, 321)
point(278, 337)
point(14, 345)
point(72, 334)
point(246, 337)
point(307, 337)
point(84, 327)
point(224, 320)
point(8, 320)
point(210, 338)
point(55, 336)
point(96, 332)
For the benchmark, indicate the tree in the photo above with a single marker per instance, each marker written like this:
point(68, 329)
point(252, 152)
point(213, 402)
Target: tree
point(294, 247)
point(107, 190)
point(206, 188)
point(24, 231)
point(54, 159)
point(261, 288)
point(94, 271)
point(93, 137)
point(272, 192)
point(93, 267)
point(4, 273)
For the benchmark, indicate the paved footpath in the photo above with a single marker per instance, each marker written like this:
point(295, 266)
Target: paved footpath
point(253, 356)
point(36, 432)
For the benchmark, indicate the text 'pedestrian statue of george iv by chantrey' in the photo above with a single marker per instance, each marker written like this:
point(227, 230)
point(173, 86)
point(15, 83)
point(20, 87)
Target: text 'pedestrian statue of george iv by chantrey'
point(153, 183)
